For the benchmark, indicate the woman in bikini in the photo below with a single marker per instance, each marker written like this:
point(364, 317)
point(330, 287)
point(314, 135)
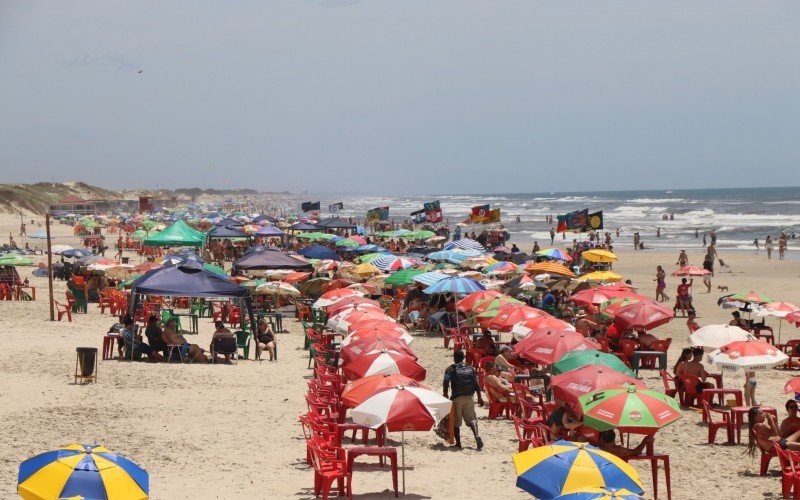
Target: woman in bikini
point(661, 284)
point(764, 433)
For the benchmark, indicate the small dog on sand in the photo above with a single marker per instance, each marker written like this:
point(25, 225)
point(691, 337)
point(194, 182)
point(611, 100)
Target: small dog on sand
point(722, 288)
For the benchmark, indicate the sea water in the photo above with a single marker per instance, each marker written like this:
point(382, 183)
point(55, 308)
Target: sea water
point(738, 216)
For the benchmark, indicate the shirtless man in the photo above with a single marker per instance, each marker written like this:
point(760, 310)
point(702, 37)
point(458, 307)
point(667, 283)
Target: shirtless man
point(791, 423)
point(499, 388)
point(646, 340)
point(608, 443)
point(695, 367)
point(584, 325)
point(171, 337)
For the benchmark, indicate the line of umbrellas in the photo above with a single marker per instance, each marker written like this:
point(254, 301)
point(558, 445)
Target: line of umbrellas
point(385, 387)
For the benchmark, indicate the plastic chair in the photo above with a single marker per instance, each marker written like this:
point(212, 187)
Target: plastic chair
point(327, 470)
point(523, 431)
point(243, 339)
point(714, 426)
point(63, 309)
point(228, 346)
point(690, 394)
point(790, 476)
point(666, 378)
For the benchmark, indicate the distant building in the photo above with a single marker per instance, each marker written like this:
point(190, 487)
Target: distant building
point(74, 205)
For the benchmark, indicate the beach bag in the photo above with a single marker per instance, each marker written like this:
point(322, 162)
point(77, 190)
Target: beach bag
point(443, 429)
point(464, 380)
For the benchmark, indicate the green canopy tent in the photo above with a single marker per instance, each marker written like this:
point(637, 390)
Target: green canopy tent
point(177, 235)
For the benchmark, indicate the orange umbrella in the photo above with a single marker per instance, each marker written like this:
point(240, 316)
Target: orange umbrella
point(336, 284)
point(470, 300)
point(293, 278)
point(549, 268)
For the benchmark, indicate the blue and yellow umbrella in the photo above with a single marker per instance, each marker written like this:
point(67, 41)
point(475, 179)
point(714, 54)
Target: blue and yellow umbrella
point(85, 471)
point(599, 493)
point(564, 467)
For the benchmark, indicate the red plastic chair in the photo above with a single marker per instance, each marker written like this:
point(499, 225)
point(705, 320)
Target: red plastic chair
point(498, 408)
point(690, 394)
point(327, 470)
point(666, 378)
point(790, 475)
point(524, 430)
point(63, 309)
point(714, 426)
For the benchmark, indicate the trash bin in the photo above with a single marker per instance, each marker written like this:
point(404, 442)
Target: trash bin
point(86, 360)
point(125, 260)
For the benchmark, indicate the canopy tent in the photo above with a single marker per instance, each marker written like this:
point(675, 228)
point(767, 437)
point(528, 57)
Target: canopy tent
point(270, 231)
point(188, 279)
point(176, 235)
point(264, 218)
point(302, 226)
point(229, 222)
point(227, 232)
point(260, 258)
point(335, 223)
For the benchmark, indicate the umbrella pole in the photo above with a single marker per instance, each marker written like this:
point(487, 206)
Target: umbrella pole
point(403, 457)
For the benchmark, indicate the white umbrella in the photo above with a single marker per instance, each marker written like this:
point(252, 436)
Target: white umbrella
point(277, 288)
point(402, 408)
point(715, 336)
point(748, 355)
point(777, 309)
point(58, 249)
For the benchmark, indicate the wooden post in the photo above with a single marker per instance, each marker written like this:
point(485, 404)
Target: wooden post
point(49, 267)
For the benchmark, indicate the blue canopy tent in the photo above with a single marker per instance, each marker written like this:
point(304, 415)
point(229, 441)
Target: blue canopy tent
point(226, 232)
point(318, 252)
point(264, 217)
point(229, 221)
point(267, 258)
point(188, 279)
point(302, 226)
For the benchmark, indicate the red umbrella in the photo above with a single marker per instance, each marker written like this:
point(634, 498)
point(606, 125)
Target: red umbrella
point(355, 349)
point(646, 314)
point(335, 296)
point(377, 333)
point(504, 300)
point(377, 327)
point(691, 271)
point(351, 301)
point(358, 391)
point(293, 278)
point(793, 318)
point(336, 284)
point(597, 296)
point(510, 315)
point(547, 347)
point(383, 361)
point(571, 385)
point(470, 300)
point(523, 329)
point(792, 386)
point(145, 266)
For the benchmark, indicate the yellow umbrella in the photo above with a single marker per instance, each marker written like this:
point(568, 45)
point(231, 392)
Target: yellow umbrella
point(599, 255)
point(364, 270)
point(604, 276)
point(549, 268)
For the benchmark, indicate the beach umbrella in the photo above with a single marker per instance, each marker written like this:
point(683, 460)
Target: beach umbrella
point(388, 262)
point(596, 296)
point(570, 386)
point(510, 315)
point(792, 386)
point(577, 359)
point(353, 350)
point(59, 249)
point(552, 268)
point(495, 304)
point(743, 299)
point(456, 285)
point(465, 244)
point(369, 257)
point(83, 471)
point(793, 318)
point(403, 277)
point(215, 269)
point(501, 249)
point(779, 310)
point(364, 288)
point(554, 253)
point(429, 278)
point(364, 334)
point(367, 324)
point(318, 252)
point(383, 361)
point(468, 302)
point(645, 314)
point(334, 296)
point(313, 286)
point(524, 328)
point(747, 355)
point(600, 493)
point(348, 302)
point(358, 391)
point(402, 408)
point(545, 347)
point(609, 308)
point(691, 271)
point(599, 255)
point(347, 242)
point(14, 260)
point(563, 467)
point(341, 321)
point(296, 277)
point(277, 288)
point(630, 407)
point(364, 270)
point(603, 276)
point(337, 284)
point(500, 268)
point(76, 253)
point(715, 336)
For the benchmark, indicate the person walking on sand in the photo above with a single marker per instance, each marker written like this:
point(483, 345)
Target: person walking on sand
point(683, 259)
point(461, 382)
point(755, 242)
point(552, 236)
point(661, 284)
point(781, 246)
point(768, 246)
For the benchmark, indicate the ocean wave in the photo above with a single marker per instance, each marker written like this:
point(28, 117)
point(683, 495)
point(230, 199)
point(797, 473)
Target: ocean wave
point(662, 200)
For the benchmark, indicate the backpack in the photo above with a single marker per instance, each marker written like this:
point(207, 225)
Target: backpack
point(464, 380)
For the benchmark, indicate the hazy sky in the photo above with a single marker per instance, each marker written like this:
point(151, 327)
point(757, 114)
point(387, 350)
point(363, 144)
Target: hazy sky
point(401, 96)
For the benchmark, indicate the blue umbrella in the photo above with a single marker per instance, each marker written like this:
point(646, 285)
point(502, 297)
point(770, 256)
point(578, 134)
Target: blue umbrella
point(465, 244)
point(457, 285)
point(76, 252)
point(39, 235)
point(429, 278)
point(318, 252)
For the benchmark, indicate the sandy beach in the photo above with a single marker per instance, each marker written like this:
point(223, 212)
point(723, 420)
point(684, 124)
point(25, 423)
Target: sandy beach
point(231, 431)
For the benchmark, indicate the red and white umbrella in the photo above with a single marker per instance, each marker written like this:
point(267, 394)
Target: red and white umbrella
point(646, 314)
point(545, 347)
point(376, 324)
point(792, 386)
point(691, 271)
point(358, 391)
point(402, 408)
point(342, 321)
point(383, 361)
point(524, 328)
point(350, 302)
point(713, 337)
point(510, 315)
point(571, 385)
point(467, 303)
point(376, 333)
point(597, 296)
point(780, 310)
point(793, 318)
point(749, 355)
point(334, 296)
point(353, 350)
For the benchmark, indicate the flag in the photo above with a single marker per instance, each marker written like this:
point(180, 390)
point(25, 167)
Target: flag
point(376, 214)
point(434, 215)
point(595, 221)
point(336, 207)
point(309, 206)
point(573, 221)
point(494, 216)
point(430, 207)
point(418, 216)
point(479, 213)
